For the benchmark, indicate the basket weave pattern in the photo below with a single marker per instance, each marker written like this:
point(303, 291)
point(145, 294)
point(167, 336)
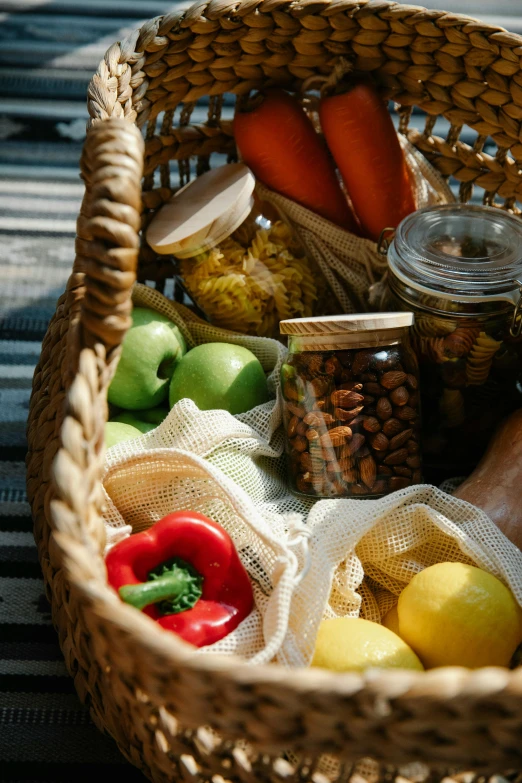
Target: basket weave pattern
point(134, 677)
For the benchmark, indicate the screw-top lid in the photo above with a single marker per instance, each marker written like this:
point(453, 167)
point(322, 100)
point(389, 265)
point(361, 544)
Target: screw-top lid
point(346, 324)
point(204, 212)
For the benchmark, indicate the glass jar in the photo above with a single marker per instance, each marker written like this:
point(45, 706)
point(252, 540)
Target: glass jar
point(351, 405)
point(240, 263)
point(459, 269)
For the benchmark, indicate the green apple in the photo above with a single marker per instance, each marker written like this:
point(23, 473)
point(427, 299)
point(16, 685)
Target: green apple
point(117, 431)
point(219, 375)
point(144, 421)
point(151, 349)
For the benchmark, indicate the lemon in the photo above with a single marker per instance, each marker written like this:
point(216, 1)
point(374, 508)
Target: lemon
point(353, 644)
point(453, 614)
point(391, 620)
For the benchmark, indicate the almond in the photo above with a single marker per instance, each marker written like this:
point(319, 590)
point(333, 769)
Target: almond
point(318, 387)
point(414, 461)
point(336, 436)
point(361, 361)
point(405, 413)
point(379, 441)
point(400, 439)
point(412, 381)
point(295, 410)
point(399, 482)
point(380, 487)
point(301, 485)
point(413, 448)
point(311, 464)
point(368, 470)
point(353, 445)
point(396, 457)
point(350, 476)
point(384, 408)
point(402, 470)
point(346, 399)
point(392, 427)
point(371, 424)
point(417, 477)
point(384, 470)
point(319, 404)
point(346, 463)
point(351, 386)
point(299, 443)
point(358, 489)
point(292, 426)
point(333, 366)
point(374, 388)
point(392, 379)
point(293, 391)
point(357, 421)
point(368, 399)
point(312, 434)
point(343, 415)
point(400, 395)
point(369, 377)
point(318, 419)
point(301, 428)
point(313, 361)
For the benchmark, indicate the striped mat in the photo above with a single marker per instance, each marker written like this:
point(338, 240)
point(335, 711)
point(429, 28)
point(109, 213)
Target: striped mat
point(48, 51)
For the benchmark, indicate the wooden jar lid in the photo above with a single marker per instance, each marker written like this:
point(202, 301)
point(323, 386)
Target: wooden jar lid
point(204, 212)
point(346, 324)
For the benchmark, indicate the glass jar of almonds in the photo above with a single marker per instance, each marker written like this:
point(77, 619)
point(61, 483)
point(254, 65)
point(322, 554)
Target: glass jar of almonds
point(351, 405)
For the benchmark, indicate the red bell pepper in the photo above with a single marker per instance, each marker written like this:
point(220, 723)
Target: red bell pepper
point(185, 573)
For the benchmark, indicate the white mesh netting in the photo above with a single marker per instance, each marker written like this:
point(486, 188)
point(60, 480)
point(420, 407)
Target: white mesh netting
point(307, 560)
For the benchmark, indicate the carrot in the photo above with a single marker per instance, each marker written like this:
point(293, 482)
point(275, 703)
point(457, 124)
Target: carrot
point(277, 141)
point(362, 139)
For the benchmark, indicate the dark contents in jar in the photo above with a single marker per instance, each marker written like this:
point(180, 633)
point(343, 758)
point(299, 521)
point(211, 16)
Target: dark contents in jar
point(352, 419)
point(468, 386)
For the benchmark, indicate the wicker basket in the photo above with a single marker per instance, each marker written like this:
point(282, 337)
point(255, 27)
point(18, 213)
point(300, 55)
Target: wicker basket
point(270, 723)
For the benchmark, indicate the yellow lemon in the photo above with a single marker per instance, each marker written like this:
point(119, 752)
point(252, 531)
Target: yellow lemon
point(353, 644)
point(453, 614)
point(391, 620)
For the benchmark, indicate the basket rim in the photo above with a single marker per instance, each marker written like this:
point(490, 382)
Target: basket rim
point(378, 690)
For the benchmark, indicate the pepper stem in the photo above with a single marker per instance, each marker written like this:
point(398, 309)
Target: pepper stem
point(175, 585)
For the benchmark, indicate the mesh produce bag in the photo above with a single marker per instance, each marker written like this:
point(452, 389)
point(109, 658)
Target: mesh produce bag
point(307, 560)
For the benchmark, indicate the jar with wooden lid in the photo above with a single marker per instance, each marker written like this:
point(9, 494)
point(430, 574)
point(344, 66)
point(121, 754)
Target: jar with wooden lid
point(459, 269)
point(241, 264)
point(351, 407)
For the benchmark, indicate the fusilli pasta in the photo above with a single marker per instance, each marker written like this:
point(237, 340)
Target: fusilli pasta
point(480, 359)
point(250, 289)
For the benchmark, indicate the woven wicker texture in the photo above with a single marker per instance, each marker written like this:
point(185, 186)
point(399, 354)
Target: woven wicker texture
point(135, 678)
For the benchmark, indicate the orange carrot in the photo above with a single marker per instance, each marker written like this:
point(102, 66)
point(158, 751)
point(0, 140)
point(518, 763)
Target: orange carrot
point(277, 140)
point(360, 135)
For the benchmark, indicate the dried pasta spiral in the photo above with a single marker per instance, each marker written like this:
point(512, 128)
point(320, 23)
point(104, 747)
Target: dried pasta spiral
point(250, 289)
point(461, 340)
point(480, 359)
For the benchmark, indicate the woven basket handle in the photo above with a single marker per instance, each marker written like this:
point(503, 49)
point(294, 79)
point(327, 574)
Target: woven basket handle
point(107, 239)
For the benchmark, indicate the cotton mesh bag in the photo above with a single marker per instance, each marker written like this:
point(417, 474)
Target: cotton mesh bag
point(307, 560)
